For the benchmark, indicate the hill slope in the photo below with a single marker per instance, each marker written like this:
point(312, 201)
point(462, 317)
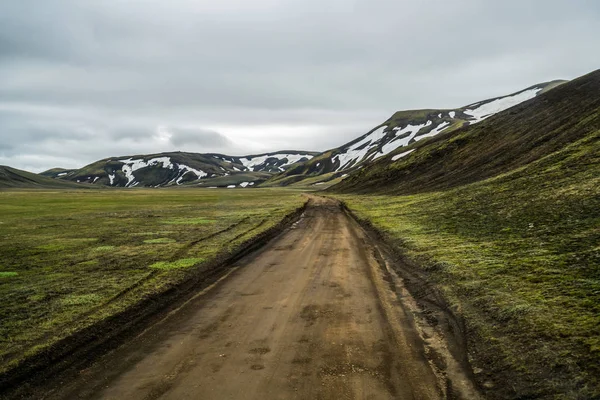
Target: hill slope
point(511, 139)
point(503, 219)
point(400, 130)
point(178, 168)
point(56, 172)
point(16, 178)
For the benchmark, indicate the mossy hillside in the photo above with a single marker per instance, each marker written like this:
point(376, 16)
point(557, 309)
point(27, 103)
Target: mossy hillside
point(234, 179)
point(11, 178)
point(318, 165)
point(503, 142)
point(309, 183)
point(71, 258)
point(324, 163)
point(55, 172)
point(519, 256)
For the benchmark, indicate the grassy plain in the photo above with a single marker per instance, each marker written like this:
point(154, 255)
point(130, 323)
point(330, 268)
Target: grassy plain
point(69, 258)
point(519, 256)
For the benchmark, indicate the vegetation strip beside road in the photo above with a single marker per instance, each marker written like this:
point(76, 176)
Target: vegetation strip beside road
point(518, 257)
point(79, 265)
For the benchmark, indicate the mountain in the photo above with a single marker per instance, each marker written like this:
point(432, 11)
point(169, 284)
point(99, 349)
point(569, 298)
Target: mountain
point(179, 168)
point(400, 130)
point(56, 172)
point(503, 217)
point(512, 139)
point(16, 178)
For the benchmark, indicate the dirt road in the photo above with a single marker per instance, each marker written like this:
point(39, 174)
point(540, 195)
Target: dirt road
point(310, 316)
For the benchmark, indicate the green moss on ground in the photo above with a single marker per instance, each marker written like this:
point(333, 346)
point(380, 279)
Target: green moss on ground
point(160, 241)
point(181, 263)
point(71, 258)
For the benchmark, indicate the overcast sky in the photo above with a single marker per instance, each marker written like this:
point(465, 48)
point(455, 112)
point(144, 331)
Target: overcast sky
point(84, 80)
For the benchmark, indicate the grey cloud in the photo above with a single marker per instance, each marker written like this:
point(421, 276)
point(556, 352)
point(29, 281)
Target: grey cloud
point(198, 137)
point(86, 80)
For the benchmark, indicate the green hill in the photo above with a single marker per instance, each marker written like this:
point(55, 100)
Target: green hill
point(15, 178)
point(504, 142)
point(402, 129)
point(503, 218)
point(56, 172)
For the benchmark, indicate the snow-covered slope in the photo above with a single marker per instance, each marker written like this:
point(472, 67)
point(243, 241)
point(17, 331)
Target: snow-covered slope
point(177, 168)
point(401, 130)
point(210, 170)
point(273, 161)
point(547, 127)
point(481, 111)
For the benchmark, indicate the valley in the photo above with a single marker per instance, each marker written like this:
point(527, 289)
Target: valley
point(311, 315)
point(443, 254)
point(299, 200)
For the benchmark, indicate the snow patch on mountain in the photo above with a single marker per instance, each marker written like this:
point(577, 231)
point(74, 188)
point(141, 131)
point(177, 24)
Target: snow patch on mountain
point(199, 174)
point(130, 165)
point(184, 170)
point(399, 156)
point(406, 135)
point(434, 131)
point(251, 162)
point(355, 153)
point(493, 107)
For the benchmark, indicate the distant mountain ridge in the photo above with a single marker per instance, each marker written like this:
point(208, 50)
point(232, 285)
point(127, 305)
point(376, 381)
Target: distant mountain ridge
point(400, 130)
point(181, 168)
point(283, 168)
point(16, 178)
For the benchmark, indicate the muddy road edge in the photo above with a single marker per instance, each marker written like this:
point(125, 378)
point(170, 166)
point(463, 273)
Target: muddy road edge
point(443, 331)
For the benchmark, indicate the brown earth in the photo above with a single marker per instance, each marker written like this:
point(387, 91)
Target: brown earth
point(315, 314)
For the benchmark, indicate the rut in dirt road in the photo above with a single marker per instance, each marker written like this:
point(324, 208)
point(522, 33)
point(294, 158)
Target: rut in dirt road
point(310, 316)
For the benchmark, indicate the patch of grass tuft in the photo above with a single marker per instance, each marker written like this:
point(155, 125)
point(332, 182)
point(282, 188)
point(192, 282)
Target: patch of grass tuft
point(159, 241)
point(101, 249)
point(181, 263)
point(188, 221)
point(80, 299)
